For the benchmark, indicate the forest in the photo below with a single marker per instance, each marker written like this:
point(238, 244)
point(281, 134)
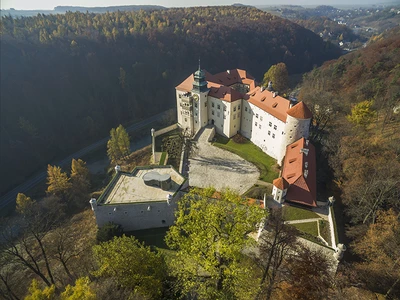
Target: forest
point(68, 78)
point(356, 105)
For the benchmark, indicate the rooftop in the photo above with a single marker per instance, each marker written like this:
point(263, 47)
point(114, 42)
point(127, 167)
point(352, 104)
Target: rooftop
point(299, 170)
point(300, 111)
point(130, 187)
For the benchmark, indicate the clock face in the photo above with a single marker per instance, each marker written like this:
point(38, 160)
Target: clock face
point(196, 97)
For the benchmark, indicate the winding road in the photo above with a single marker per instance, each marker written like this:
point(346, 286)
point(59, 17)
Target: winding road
point(10, 196)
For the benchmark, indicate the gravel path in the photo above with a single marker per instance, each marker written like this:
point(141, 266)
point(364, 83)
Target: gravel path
point(212, 166)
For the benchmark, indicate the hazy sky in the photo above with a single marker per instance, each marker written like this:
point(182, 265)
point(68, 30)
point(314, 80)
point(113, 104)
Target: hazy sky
point(50, 4)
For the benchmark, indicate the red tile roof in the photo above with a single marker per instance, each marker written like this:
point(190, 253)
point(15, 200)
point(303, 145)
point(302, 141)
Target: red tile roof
point(299, 170)
point(274, 105)
point(280, 183)
point(300, 111)
point(219, 84)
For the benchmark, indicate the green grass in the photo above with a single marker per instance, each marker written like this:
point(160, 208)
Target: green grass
point(324, 231)
point(291, 213)
point(257, 191)
point(308, 228)
point(162, 159)
point(251, 153)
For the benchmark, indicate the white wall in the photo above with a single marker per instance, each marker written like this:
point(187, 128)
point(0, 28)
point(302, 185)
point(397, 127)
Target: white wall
point(266, 131)
point(136, 216)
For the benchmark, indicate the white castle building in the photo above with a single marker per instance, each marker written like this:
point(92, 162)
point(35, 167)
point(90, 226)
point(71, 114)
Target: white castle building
point(233, 103)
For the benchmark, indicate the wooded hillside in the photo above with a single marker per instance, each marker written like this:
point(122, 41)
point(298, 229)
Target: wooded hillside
point(356, 106)
point(67, 79)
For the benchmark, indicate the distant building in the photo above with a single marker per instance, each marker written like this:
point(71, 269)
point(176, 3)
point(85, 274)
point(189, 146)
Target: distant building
point(145, 198)
point(233, 103)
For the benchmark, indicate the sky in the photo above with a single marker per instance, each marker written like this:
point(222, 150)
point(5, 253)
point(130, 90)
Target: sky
point(50, 4)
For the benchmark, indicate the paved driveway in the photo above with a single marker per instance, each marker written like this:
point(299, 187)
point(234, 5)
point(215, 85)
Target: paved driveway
point(212, 166)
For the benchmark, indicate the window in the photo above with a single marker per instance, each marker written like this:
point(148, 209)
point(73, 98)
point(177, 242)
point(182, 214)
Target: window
point(195, 114)
point(270, 124)
point(269, 132)
point(185, 119)
point(273, 135)
point(257, 116)
point(219, 106)
point(256, 124)
point(205, 104)
point(245, 109)
point(224, 108)
point(234, 116)
point(195, 105)
point(234, 109)
point(259, 126)
point(260, 118)
point(275, 127)
point(212, 112)
point(239, 107)
point(224, 117)
point(212, 104)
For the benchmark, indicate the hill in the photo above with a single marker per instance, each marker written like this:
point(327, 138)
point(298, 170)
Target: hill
point(356, 106)
point(68, 78)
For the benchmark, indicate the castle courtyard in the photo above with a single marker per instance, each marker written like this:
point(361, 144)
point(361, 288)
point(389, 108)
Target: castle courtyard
point(212, 166)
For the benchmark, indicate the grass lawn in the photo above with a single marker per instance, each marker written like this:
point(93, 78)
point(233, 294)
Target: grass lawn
point(291, 213)
point(324, 231)
point(162, 159)
point(308, 228)
point(251, 153)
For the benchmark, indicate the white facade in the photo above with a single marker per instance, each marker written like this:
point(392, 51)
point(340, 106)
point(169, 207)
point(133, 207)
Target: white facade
point(278, 194)
point(237, 114)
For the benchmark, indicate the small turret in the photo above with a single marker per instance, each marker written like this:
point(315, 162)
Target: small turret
point(117, 168)
point(280, 186)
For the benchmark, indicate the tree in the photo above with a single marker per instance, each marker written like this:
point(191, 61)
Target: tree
point(80, 183)
point(24, 203)
point(362, 113)
point(279, 76)
point(36, 293)
point(307, 275)
point(380, 250)
point(81, 290)
point(58, 183)
point(118, 146)
point(276, 243)
point(209, 236)
point(132, 265)
point(108, 231)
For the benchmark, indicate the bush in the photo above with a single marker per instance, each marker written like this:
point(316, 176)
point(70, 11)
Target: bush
point(239, 139)
point(108, 231)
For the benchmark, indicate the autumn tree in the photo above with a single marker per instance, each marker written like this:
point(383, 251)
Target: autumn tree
point(80, 291)
point(37, 293)
point(279, 76)
point(380, 251)
point(308, 275)
point(276, 244)
point(80, 183)
point(132, 265)
point(362, 113)
point(24, 204)
point(58, 183)
point(209, 236)
point(119, 145)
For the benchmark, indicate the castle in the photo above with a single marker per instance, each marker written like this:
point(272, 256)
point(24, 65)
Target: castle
point(233, 103)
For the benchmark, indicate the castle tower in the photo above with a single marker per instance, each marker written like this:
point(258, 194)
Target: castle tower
point(199, 94)
point(297, 126)
point(280, 186)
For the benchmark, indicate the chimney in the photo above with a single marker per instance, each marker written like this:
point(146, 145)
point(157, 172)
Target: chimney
point(262, 89)
point(269, 87)
point(304, 150)
point(307, 141)
point(273, 95)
